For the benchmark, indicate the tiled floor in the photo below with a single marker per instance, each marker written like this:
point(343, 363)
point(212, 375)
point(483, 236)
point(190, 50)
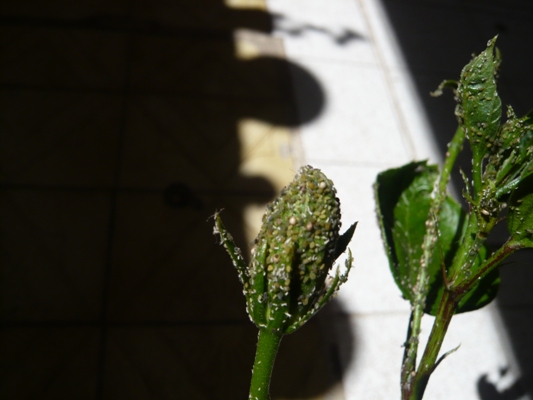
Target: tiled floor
point(124, 125)
point(123, 128)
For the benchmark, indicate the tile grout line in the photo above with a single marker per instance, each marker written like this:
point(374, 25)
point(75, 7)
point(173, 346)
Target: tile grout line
point(115, 191)
point(421, 139)
point(406, 138)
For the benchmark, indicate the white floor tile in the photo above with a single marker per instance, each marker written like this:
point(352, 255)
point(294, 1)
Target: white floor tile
point(359, 124)
point(375, 367)
point(415, 125)
point(382, 35)
point(336, 32)
point(374, 370)
point(482, 352)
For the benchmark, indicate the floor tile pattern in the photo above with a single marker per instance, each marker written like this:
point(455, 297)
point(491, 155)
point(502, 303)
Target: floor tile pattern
point(124, 126)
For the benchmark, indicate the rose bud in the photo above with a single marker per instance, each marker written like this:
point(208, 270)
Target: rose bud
point(286, 281)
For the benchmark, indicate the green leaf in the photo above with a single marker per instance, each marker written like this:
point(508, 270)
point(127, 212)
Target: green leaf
point(452, 226)
point(451, 84)
point(526, 147)
point(344, 241)
point(483, 292)
point(520, 216)
point(409, 229)
point(479, 109)
point(389, 188)
point(404, 201)
point(234, 252)
point(511, 159)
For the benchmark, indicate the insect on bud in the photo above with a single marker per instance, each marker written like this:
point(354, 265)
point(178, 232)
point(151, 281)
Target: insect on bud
point(286, 282)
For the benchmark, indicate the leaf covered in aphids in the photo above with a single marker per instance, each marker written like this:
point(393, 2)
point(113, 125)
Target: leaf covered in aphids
point(479, 106)
point(404, 200)
point(520, 215)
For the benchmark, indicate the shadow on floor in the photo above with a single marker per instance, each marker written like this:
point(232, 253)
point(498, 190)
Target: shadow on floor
point(119, 140)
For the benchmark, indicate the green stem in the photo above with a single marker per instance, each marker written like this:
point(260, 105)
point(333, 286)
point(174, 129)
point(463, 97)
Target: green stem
point(465, 256)
point(409, 357)
point(439, 195)
point(492, 262)
point(450, 299)
point(454, 148)
point(477, 173)
point(267, 348)
point(428, 363)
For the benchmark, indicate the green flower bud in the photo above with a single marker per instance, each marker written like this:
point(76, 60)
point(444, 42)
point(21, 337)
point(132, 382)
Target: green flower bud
point(286, 281)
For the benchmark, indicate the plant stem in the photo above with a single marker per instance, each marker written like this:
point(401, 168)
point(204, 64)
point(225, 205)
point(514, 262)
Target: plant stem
point(492, 262)
point(439, 195)
point(467, 252)
point(267, 348)
point(454, 148)
point(477, 174)
point(428, 362)
point(450, 299)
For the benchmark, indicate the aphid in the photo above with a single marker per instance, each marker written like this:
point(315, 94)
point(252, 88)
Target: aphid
point(300, 230)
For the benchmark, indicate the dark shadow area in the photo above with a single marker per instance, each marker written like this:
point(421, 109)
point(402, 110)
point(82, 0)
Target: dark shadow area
point(313, 355)
point(118, 141)
point(489, 391)
point(437, 39)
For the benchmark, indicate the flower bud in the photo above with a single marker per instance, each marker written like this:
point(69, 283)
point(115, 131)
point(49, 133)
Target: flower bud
point(286, 281)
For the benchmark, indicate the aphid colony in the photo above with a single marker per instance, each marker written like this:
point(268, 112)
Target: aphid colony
point(285, 282)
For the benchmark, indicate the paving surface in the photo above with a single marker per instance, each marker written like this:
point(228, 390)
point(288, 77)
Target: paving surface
point(125, 125)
